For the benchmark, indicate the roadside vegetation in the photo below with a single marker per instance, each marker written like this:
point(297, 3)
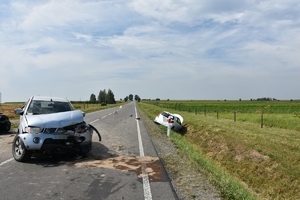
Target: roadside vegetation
point(242, 158)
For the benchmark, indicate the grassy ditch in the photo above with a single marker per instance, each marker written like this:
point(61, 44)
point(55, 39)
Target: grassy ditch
point(243, 160)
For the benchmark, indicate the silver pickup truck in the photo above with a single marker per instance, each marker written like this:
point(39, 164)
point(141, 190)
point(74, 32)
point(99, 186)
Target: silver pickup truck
point(51, 125)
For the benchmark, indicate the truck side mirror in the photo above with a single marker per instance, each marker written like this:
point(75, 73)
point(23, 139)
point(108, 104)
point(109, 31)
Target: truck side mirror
point(19, 111)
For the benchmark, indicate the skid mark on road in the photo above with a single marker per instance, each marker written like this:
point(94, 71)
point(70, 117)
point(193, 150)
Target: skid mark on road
point(129, 163)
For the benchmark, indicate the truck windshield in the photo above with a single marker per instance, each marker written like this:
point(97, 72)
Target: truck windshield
point(47, 107)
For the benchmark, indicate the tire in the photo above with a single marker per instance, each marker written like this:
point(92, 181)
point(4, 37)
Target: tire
point(7, 128)
point(20, 153)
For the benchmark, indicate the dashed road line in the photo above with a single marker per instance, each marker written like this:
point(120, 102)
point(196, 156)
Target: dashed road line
point(94, 121)
point(7, 161)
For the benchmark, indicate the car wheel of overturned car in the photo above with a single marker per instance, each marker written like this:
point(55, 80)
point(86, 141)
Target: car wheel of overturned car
point(7, 128)
point(20, 153)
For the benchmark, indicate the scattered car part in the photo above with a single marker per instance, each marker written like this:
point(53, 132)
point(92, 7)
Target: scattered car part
point(96, 132)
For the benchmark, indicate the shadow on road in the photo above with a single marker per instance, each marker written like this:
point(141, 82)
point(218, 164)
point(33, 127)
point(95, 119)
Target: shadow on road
point(99, 152)
point(7, 132)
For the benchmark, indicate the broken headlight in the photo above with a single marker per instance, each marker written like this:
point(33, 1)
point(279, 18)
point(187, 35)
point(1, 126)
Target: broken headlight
point(81, 128)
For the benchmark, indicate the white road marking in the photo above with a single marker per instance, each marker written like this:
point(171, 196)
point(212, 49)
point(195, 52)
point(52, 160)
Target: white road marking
point(146, 184)
point(7, 161)
point(94, 121)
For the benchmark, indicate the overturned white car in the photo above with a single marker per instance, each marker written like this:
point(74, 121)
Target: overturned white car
point(168, 119)
point(51, 125)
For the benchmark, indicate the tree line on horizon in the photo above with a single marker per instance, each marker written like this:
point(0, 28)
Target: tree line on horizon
point(109, 97)
point(104, 97)
point(130, 98)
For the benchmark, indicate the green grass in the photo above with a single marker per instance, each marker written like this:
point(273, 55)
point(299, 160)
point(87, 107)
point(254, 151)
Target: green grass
point(229, 106)
point(241, 155)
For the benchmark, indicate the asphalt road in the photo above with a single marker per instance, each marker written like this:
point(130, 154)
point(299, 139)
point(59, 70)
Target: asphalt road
point(124, 165)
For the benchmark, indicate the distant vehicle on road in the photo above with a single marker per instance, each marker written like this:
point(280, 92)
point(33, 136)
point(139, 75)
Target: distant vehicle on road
point(5, 124)
point(50, 125)
point(174, 120)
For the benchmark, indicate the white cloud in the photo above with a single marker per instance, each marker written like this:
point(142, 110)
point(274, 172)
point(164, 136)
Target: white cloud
point(53, 13)
point(223, 49)
point(88, 38)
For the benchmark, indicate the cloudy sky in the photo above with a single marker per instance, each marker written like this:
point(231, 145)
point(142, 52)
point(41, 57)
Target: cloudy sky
point(167, 49)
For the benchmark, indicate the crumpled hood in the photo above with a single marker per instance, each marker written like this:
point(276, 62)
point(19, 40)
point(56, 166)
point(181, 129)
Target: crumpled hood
point(55, 120)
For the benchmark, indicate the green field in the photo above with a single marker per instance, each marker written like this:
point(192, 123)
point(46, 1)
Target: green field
point(242, 158)
point(281, 114)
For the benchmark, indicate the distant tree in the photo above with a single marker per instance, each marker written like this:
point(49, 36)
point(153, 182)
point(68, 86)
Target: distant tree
point(137, 98)
point(265, 99)
point(126, 99)
point(93, 98)
point(157, 99)
point(131, 97)
point(102, 96)
point(110, 97)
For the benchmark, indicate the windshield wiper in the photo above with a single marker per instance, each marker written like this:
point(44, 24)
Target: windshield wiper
point(36, 113)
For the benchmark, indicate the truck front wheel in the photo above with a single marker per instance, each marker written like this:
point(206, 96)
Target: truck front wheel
point(20, 153)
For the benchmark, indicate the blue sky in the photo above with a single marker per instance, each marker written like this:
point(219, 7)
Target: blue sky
point(171, 49)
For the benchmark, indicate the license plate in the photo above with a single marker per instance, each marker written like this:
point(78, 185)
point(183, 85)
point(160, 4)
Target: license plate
point(60, 137)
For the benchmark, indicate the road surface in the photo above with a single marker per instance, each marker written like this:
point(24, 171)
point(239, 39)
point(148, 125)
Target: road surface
point(124, 165)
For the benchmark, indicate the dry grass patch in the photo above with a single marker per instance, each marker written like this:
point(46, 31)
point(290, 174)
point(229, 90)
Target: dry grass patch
point(9, 110)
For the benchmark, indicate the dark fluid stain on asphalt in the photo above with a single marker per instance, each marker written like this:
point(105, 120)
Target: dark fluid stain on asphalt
point(153, 167)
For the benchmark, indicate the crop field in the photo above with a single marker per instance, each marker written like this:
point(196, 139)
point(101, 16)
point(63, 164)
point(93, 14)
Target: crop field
point(281, 114)
point(250, 150)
